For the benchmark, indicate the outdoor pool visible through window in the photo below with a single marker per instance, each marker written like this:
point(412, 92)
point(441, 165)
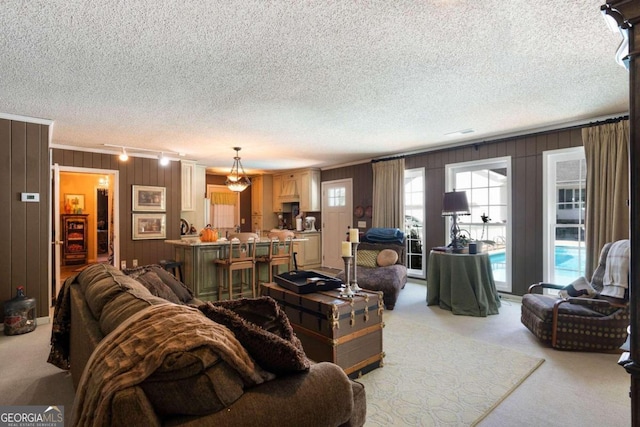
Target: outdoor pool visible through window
point(569, 264)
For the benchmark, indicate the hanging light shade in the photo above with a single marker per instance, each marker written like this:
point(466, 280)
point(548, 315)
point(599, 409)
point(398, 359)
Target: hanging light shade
point(235, 180)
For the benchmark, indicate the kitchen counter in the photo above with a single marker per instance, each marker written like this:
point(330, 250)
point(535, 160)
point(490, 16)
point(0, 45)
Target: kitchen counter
point(198, 266)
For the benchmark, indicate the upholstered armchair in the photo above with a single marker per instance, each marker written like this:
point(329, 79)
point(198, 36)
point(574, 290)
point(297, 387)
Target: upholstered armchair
point(587, 315)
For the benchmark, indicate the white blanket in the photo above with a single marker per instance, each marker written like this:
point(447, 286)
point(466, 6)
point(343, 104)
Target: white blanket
point(616, 273)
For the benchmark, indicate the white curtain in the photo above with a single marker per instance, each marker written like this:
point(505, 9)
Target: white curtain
point(388, 194)
point(223, 216)
point(224, 208)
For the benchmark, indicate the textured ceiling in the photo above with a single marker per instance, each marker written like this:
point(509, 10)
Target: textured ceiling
point(300, 83)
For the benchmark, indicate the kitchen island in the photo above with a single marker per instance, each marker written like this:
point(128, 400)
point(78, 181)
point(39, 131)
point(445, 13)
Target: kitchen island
point(198, 266)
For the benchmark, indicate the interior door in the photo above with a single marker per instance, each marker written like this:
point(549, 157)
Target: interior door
point(337, 208)
point(55, 228)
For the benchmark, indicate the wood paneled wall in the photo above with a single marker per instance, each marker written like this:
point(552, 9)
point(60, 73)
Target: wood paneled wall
point(24, 227)
point(135, 171)
point(526, 168)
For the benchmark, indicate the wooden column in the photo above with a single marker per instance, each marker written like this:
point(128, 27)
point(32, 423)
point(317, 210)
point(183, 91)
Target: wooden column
point(627, 14)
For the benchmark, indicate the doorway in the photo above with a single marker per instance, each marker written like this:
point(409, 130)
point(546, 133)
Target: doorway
point(84, 220)
point(337, 216)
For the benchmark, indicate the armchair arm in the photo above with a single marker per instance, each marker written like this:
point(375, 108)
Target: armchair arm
point(545, 285)
point(594, 302)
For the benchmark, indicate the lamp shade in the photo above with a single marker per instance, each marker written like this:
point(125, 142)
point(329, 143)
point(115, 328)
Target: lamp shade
point(455, 203)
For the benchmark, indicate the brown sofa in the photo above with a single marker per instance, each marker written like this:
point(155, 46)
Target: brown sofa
point(185, 390)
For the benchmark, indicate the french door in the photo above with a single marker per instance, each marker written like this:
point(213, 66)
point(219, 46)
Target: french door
point(564, 199)
point(488, 187)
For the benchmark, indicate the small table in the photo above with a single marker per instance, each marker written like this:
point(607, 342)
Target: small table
point(462, 283)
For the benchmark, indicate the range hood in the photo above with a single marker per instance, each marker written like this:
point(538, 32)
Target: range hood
point(289, 192)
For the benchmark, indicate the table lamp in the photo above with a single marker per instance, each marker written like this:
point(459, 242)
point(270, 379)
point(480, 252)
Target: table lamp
point(455, 203)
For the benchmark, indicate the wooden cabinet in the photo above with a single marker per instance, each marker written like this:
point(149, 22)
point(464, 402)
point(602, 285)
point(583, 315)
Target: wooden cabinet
point(261, 203)
point(301, 187)
point(310, 191)
point(74, 239)
point(277, 189)
point(309, 252)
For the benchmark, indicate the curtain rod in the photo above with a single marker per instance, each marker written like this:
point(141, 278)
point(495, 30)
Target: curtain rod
point(384, 159)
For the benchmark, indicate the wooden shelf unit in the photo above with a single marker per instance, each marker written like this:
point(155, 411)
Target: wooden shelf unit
point(74, 238)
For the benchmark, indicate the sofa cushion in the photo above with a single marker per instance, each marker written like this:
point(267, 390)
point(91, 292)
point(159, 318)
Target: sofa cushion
point(387, 257)
point(101, 283)
point(195, 382)
point(120, 308)
point(367, 258)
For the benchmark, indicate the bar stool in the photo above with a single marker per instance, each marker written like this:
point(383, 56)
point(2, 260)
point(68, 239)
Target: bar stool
point(240, 257)
point(280, 252)
point(172, 266)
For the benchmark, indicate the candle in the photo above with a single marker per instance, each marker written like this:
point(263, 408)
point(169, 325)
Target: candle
point(354, 235)
point(346, 248)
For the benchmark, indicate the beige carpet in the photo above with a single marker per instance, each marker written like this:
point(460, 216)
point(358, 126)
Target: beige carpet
point(436, 378)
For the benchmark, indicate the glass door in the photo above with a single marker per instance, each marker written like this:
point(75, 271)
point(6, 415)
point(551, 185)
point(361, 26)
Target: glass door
point(414, 185)
point(564, 199)
point(488, 187)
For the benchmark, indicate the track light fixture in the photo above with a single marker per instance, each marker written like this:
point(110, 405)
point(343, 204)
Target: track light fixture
point(163, 159)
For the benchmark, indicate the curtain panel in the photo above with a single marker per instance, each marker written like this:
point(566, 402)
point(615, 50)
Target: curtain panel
point(388, 194)
point(607, 212)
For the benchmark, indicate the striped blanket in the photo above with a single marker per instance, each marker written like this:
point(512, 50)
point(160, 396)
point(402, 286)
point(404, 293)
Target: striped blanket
point(134, 350)
point(616, 274)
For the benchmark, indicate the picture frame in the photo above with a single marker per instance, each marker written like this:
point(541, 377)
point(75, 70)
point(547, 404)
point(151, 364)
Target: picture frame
point(149, 226)
point(148, 198)
point(74, 203)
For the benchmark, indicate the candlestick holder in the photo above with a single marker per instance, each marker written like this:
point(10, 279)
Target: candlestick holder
point(347, 291)
point(354, 282)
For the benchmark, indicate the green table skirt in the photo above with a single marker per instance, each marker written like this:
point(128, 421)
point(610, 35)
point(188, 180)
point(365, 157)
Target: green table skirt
point(462, 283)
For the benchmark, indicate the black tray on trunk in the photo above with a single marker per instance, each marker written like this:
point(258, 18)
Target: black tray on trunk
point(306, 282)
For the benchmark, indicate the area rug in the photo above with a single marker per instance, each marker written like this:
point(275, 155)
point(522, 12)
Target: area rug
point(435, 378)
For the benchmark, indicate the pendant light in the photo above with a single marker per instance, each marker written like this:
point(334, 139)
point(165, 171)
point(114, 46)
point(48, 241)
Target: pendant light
point(235, 181)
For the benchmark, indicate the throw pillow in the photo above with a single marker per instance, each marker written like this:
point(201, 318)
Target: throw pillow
point(387, 257)
point(264, 331)
point(367, 258)
point(156, 286)
point(180, 289)
point(183, 293)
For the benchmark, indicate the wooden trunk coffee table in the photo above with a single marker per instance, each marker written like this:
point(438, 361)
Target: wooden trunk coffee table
point(345, 331)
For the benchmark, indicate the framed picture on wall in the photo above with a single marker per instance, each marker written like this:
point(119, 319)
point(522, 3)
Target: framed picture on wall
point(149, 226)
point(73, 203)
point(149, 199)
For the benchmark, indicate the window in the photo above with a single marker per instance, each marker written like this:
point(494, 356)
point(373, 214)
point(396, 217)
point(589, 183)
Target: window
point(488, 187)
point(414, 221)
point(337, 196)
point(564, 183)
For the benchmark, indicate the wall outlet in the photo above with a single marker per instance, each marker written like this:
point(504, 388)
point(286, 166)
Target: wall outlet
point(123, 265)
point(362, 224)
point(134, 263)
